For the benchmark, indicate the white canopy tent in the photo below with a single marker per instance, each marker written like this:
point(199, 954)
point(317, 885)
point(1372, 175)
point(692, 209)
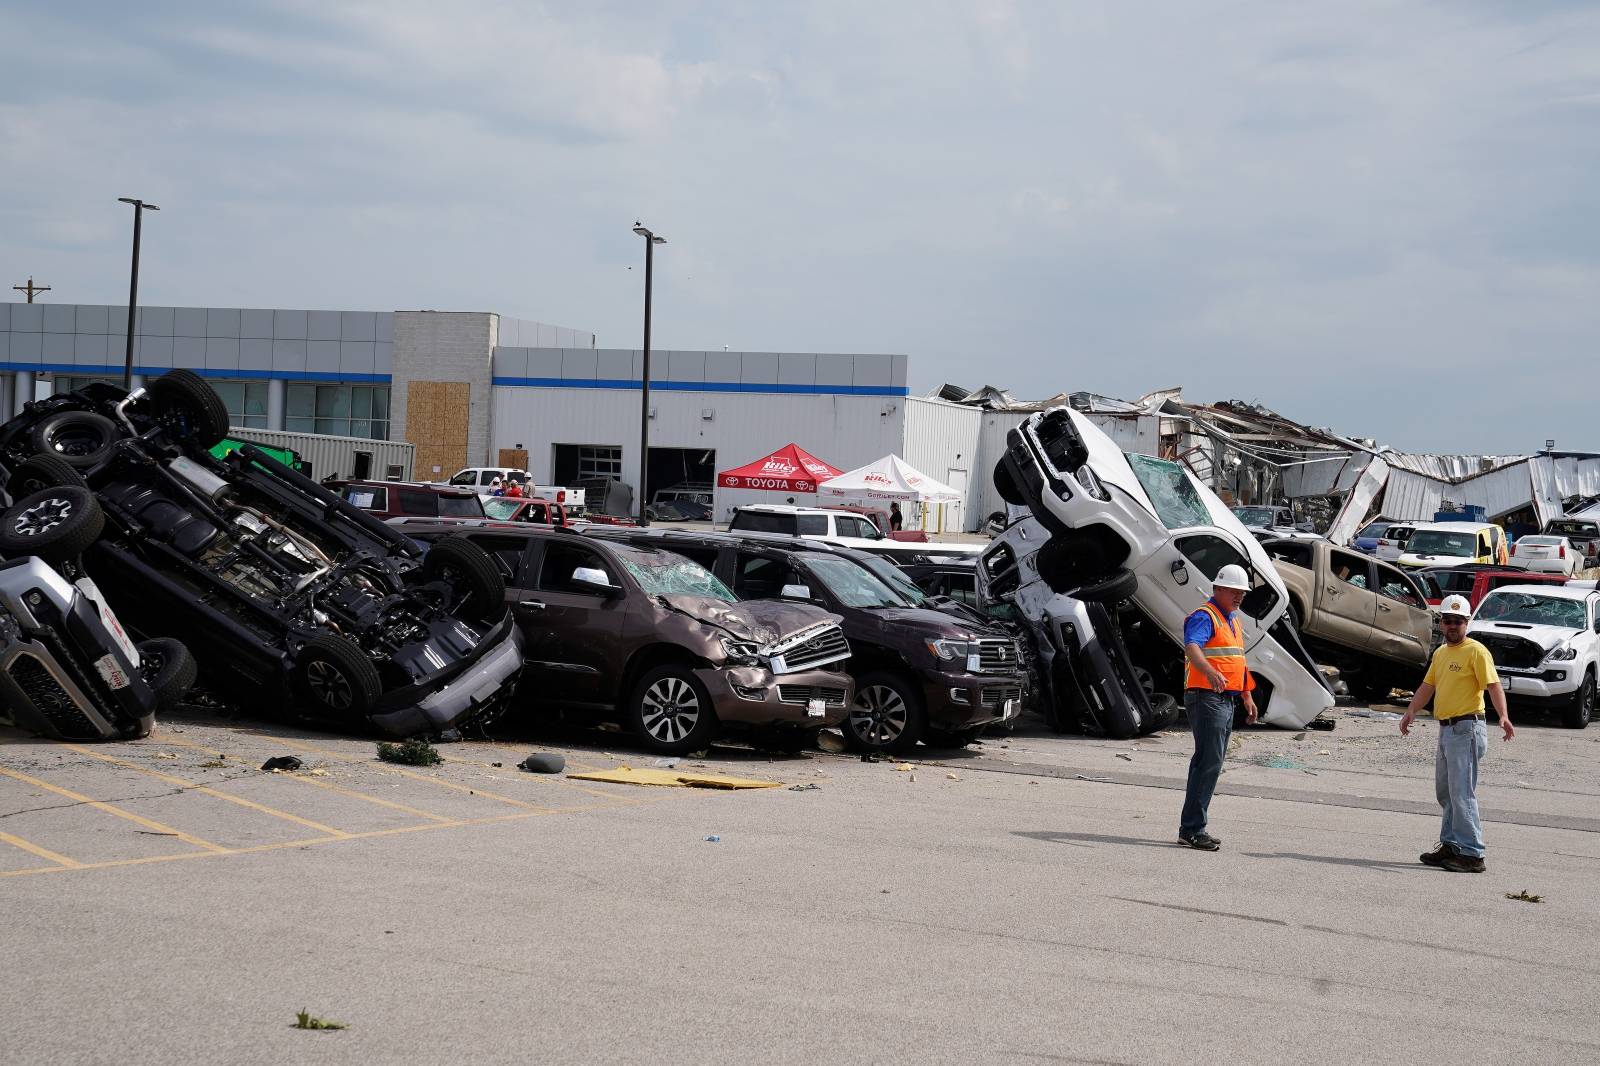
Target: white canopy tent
point(889, 478)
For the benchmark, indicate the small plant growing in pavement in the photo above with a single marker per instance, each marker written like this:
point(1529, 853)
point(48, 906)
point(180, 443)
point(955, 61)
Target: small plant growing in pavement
point(413, 752)
point(304, 1020)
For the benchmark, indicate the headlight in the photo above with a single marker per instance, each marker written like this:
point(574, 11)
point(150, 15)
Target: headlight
point(964, 652)
point(1091, 483)
point(1562, 655)
point(741, 652)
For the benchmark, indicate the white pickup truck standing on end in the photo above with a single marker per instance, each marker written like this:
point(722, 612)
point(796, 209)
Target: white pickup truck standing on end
point(1545, 642)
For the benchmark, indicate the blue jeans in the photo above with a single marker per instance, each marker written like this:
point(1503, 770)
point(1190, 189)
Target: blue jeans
point(1462, 744)
point(1210, 717)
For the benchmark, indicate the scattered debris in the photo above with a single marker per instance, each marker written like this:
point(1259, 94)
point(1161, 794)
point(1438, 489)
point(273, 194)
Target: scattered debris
point(304, 1020)
point(1300, 736)
point(952, 777)
point(212, 764)
point(830, 741)
point(1281, 762)
point(450, 736)
point(627, 775)
point(1525, 896)
point(1324, 724)
point(713, 838)
point(411, 752)
point(1382, 716)
point(543, 763)
point(1124, 755)
point(496, 765)
point(873, 756)
point(317, 772)
point(1324, 751)
point(165, 755)
point(809, 786)
point(904, 767)
point(285, 764)
point(701, 754)
point(668, 763)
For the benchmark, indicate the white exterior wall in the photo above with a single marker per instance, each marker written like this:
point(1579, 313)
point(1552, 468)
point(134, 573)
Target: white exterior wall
point(329, 454)
point(941, 440)
point(846, 431)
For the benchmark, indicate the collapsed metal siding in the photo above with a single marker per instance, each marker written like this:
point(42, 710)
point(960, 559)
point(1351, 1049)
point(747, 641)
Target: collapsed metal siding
point(991, 446)
point(329, 455)
point(941, 437)
point(1140, 435)
point(1324, 477)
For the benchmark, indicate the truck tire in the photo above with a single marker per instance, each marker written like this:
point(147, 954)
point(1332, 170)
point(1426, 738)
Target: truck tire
point(1578, 715)
point(169, 670)
point(43, 471)
point(887, 714)
point(470, 570)
point(1007, 486)
point(670, 711)
point(77, 438)
point(1070, 564)
point(1115, 587)
point(55, 524)
point(189, 408)
point(335, 678)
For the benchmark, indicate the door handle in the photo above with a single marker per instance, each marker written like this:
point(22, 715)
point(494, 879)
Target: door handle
point(1383, 607)
point(529, 605)
point(1333, 590)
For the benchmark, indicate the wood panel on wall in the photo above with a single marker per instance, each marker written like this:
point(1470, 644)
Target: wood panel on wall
point(437, 413)
point(514, 458)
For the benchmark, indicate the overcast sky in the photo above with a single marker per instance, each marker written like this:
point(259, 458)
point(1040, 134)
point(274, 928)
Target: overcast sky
point(1377, 216)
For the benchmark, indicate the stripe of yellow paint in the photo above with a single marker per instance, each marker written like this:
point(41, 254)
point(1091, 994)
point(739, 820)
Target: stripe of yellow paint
point(206, 791)
point(330, 786)
point(38, 852)
point(78, 797)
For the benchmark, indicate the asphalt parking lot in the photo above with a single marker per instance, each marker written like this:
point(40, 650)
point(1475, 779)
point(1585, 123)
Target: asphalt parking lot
point(171, 902)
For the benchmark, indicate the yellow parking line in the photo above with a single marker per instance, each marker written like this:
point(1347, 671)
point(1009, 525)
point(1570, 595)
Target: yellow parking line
point(42, 853)
point(387, 768)
point(205, 791)
point(330, 786)
point(78, 797)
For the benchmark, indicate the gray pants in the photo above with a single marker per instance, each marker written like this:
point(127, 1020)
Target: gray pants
point(1462, 744)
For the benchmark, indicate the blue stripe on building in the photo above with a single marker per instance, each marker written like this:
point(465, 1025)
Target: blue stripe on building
point(704, 386)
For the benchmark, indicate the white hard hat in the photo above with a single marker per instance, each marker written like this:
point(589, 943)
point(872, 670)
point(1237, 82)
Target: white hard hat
point(1456, 605)
point(1232, 576)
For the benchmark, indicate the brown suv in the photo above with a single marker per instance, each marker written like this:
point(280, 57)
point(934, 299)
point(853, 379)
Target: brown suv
point(654, 642)
point(410, 499)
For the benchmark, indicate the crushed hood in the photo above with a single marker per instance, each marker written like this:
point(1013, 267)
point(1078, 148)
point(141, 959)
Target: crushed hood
point(1547, 637)
point(762, 621)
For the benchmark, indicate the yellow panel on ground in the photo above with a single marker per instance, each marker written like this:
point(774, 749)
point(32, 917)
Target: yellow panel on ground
point(627, 775)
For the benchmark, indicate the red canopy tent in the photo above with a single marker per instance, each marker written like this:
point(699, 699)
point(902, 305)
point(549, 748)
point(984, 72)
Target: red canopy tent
point(789, 469)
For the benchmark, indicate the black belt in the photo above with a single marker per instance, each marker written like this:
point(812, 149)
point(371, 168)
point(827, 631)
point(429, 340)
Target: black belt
point(1459, 718)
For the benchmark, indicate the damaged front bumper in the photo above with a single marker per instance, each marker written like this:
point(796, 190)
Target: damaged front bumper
point(754, 696)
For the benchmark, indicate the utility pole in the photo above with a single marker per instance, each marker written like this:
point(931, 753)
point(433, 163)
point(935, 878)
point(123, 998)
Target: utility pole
point(650, 242)
point(30, 288)
point(139, 208)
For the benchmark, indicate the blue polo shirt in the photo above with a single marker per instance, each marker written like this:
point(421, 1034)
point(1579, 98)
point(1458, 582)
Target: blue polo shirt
point(1198, 627)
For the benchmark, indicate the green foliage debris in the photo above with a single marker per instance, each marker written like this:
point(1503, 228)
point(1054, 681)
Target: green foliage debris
point(413, 752)
point(1525, 896)
point(304, 1020)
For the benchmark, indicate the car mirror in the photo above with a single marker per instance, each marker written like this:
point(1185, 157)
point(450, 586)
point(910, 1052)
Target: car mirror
point(796, 592)
point(593, 579)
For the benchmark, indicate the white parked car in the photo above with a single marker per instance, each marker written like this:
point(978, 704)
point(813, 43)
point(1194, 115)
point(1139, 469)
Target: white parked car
point(1107, 511)
point(1545, 641)
point(847, 529)
point(1547, 554)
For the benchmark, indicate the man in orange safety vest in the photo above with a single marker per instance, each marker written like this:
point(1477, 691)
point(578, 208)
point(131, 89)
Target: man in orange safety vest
point(1216, 684)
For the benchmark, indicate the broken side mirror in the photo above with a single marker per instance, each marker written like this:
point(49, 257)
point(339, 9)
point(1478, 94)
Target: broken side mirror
point(795, 592)
point(593, 580)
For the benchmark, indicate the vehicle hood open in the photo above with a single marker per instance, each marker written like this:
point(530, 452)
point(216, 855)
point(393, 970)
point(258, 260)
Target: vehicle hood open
point(763, 622)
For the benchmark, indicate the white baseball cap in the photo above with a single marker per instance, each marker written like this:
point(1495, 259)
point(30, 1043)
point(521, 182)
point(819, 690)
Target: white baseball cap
point(1456, 605)
point(1232, 576)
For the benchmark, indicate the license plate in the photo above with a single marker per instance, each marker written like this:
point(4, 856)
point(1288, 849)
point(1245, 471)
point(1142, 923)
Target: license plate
point(816, 709)
point(112, 674)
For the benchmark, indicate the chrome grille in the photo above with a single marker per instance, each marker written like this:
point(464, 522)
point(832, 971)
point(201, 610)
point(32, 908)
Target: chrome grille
point(828, 694)
point(49, 698)
point(823, 646)
point(998, 657)
point(996, 695)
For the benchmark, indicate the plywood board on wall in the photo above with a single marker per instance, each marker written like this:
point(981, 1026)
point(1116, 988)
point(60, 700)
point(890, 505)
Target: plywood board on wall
point(437, 413)
point(514, 458)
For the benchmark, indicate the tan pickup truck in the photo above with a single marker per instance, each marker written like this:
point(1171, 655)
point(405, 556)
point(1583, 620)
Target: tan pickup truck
point(1367, 617)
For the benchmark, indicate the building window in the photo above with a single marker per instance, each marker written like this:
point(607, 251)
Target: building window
point(342, 410)
point(66, 383)
point(246, 402)
point(599, 460)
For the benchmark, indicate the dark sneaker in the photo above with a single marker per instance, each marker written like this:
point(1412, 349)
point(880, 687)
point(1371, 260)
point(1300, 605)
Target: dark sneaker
point(1201, 842)
point(1438, 855)
point(1463, 864)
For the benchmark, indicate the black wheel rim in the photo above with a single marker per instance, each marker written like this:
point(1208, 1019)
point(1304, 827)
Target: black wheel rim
point(879, 715)
point(670, 710)
point(42, 517)
point(77, 440)
point(329, 686)
point(151, 663)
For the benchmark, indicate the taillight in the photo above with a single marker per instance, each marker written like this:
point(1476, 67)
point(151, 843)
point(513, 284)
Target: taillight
point(561, 497)
point(1562, 551)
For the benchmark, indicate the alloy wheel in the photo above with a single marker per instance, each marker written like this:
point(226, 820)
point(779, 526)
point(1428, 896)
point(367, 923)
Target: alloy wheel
point(671, 710)
point(329, 685)
point(879, 715)
point(42, 517)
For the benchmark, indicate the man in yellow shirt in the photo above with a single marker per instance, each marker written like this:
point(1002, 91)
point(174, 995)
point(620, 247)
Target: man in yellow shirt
point(1461, 672)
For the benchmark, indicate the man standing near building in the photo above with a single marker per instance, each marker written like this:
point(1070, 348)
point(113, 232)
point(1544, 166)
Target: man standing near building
point(1461, 671)
point(1218, 682)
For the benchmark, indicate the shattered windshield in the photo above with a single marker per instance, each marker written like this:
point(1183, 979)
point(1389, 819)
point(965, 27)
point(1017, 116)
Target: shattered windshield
point(1256, 516)
point(501, 507)
point(1178, 505)
point(852, 584)
point(1530, 609)
point(666, 574)
point(1439, 542)
point(895, 578)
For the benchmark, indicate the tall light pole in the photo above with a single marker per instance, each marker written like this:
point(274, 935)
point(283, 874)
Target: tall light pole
point(650, 242)
point(139, 208)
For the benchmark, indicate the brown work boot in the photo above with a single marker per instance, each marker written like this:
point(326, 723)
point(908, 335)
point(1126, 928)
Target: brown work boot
point(1463, 864)
point(1437, 856)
